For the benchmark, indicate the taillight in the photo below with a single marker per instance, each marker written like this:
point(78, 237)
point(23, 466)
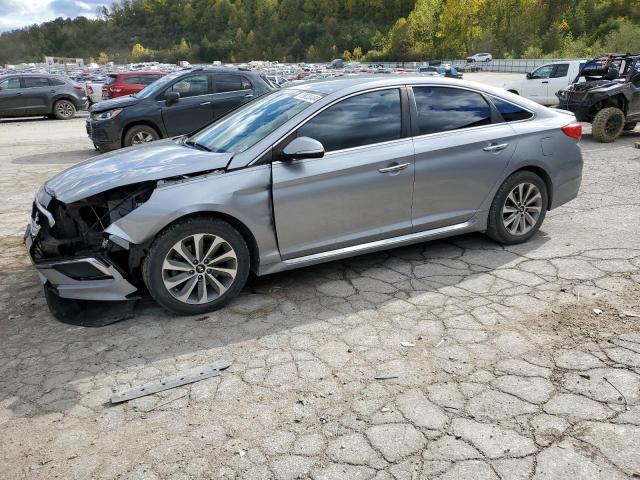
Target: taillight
point(78, 87)
point(90, 89)
point(573, 130)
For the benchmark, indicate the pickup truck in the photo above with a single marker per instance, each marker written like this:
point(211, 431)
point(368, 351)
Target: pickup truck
point(542, 84)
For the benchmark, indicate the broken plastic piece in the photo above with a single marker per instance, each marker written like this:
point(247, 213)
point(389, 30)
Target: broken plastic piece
point(184, 378)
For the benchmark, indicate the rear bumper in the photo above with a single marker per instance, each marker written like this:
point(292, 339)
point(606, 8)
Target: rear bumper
point(86, 278)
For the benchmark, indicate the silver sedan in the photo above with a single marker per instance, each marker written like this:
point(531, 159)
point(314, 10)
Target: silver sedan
point(307, 174)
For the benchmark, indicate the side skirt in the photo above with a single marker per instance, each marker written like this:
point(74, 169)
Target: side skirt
point(375, 246)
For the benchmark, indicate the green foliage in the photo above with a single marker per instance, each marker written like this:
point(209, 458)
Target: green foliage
point(316, 30)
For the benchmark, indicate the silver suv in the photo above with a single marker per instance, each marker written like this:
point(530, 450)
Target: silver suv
point(307, 174)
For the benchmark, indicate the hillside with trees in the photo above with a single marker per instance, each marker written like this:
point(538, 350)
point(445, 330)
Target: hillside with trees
point(320, 30)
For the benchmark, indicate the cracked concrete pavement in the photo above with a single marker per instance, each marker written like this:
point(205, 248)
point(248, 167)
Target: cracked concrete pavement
point(491, 362)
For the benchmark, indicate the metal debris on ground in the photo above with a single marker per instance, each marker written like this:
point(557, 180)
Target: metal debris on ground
point(188, 376)
point(407, 344)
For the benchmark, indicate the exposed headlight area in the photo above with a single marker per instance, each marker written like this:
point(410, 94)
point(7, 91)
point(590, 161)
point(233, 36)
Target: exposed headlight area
point(108, 115)
point(78, 227)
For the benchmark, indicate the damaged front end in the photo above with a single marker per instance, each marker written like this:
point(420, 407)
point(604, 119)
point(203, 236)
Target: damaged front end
point(71, 251)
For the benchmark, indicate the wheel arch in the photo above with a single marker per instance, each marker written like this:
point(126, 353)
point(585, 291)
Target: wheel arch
point(134, 123)
point(244, 231)
point(63, 96)
point(544, 175)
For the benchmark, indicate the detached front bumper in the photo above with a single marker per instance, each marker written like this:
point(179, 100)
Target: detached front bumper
point(86, 278)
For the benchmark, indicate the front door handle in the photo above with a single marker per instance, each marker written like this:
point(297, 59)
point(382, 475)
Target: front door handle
point(545, 81)
point(394, 168)
point(203, 104)
point(496, 148)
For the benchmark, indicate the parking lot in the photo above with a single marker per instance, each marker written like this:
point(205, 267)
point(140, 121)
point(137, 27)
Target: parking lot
point(456, 359)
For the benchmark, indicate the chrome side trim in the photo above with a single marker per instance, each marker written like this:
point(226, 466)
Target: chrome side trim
point(378, 244)
point(46, 213)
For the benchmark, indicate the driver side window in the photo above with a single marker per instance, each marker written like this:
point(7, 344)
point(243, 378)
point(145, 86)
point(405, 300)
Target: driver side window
point(364, 119)
point(542, 72)
point(191, 86)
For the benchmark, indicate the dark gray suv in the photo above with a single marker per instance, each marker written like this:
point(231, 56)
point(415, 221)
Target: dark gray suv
point(179, 103)
point(30, 95)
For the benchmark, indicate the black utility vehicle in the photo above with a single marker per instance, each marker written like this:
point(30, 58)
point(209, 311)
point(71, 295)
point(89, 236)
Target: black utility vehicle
point(609, 96)
point(176, 104)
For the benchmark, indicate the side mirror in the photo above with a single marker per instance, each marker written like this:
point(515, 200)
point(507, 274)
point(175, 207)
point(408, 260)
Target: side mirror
point(172, 97)
point(301, 148)
point(529, 76)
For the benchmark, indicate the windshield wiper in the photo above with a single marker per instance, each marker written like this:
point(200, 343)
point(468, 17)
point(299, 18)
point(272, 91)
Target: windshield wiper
point(197, 145)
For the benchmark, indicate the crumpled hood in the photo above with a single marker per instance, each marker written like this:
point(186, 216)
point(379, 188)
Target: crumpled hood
point(117, 102)
point(152, 161)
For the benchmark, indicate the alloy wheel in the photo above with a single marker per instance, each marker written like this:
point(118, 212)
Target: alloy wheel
point(522, 208)
point(141, 137)
point(199, 268)
point(65, 109)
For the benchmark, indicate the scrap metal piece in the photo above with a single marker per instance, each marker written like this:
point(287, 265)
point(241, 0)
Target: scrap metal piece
point(188, 376)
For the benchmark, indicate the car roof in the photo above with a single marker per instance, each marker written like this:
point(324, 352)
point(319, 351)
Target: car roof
point(140, 72)
point(336, 84)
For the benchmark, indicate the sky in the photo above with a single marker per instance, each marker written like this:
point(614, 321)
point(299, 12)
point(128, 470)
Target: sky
point(21, 13)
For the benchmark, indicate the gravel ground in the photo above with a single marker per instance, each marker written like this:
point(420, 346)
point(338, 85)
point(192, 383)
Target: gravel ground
point(507, 363)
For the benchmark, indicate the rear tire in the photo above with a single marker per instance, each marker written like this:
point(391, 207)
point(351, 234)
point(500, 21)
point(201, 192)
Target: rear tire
point(608, 124)
point(139, 134)
point(215, 271)
point(518, 208)
point(630, 126)
point(64, 109)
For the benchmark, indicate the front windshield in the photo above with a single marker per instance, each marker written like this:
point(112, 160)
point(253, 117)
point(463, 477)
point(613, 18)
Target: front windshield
point(157, 86)
point(252, 122)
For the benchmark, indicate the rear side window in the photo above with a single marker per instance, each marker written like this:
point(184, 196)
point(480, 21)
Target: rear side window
point(33, 82)
point(10, 83)
point(228, 83)
point(560, 70)
point(149, 79)
point(246, 84)
point(132, 79)
point(361, 120)
point(54, 82)
point(441, 109)
point(509, 111)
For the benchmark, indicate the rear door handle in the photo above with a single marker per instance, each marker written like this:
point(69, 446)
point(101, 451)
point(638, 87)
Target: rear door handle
point(249, 95)
point(545, 81)
point(205, 104)
point(394, 168)
point(496, 148)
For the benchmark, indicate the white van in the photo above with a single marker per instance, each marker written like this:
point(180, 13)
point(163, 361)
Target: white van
point(542, 84)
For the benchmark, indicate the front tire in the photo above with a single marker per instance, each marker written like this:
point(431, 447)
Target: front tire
point(64, 109)
point(196, 266)
point(608, 124)
point(518, 208)
point(140, 134)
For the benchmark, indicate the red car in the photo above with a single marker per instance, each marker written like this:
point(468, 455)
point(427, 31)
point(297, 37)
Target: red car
point(128, 83)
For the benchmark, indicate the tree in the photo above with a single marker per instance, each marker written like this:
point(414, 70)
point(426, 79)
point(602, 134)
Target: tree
point(139, 53)
point(103, 58)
